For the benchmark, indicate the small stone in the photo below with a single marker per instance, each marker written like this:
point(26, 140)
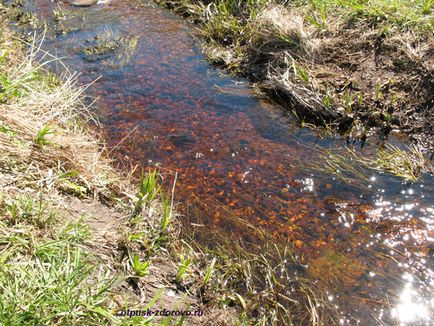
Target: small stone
point(82, 3)
point(171, 293)
point(298, 244)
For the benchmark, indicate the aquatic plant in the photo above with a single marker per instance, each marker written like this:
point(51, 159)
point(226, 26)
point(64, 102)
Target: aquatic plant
point(111, 48)
point(270, 284)
point(409, 163)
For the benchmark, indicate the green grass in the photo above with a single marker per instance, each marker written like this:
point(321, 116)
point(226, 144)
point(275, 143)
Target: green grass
point(140, 267)
point(403, 14)
point(45, 274)
point(269, 284)
point(227, 21)
point(48, 275)
point(148, 191)
point(346, 167)
point(183, 268)
point(111, 48)
point(208, 273)
point(41, 136)
point(166, 213)
point(21, 80)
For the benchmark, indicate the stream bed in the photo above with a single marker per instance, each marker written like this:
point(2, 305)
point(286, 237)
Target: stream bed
point(245, 170)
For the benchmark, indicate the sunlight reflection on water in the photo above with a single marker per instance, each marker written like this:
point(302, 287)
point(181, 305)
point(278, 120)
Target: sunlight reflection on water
point(412, 307)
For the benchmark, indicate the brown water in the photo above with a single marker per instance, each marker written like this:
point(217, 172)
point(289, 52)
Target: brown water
point(245, 169)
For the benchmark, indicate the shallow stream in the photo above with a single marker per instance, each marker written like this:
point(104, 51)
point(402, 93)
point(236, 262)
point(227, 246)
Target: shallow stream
point(245, 170)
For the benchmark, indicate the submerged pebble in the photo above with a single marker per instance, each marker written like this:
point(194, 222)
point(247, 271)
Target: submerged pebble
point(86, 3)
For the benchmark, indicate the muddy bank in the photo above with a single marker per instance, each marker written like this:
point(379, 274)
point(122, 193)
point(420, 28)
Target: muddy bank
point(357, 68)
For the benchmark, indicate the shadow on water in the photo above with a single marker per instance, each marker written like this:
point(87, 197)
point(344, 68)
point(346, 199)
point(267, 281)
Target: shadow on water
point(243, 166)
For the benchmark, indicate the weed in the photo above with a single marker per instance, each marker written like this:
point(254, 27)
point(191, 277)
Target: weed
point(319, 19)
point(59, 14)
point(166, 214)
point(147, 192)
point(76, 232)
point(27, 209)
point(300, 72)
point(348, 101)
point(141, 268)
point(112, 49)
point(6, 129)
point(345, 166)
point(21, 81)
point(269, 283)
point(408, 163)
point(183, 268)
point(75, 188)
point(328, 101)
point(208, 272)
point(56, 283)
point(41, 136)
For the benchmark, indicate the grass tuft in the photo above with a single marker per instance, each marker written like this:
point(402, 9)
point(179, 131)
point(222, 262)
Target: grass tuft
point(409, 163)
point(41, 136)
